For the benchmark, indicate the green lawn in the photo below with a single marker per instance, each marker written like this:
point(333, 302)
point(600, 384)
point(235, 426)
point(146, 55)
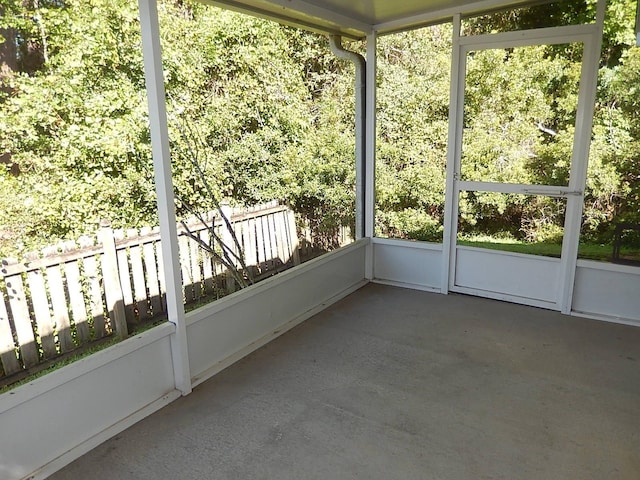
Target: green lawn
point(588, 251)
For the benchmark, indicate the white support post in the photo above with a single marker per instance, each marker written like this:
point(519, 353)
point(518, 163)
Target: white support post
point(370, 152)
point(164, 190)
point(638, 24)
point(454, 146)
point(335, 43)
point(580, 160)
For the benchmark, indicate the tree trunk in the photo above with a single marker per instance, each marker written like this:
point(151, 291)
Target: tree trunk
point(8, 54)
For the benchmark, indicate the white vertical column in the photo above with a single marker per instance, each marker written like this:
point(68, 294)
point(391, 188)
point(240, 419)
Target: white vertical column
point(370, 152)
point(164, 190)
point(360, 102)
point(454, 147)
point(580, 160)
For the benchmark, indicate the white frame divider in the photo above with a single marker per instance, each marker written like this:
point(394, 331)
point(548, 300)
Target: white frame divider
point(370, 152)
point(152, 53)
point(580, 158)
point(456, 108)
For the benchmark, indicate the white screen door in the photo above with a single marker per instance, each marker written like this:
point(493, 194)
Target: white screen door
point(515, 190)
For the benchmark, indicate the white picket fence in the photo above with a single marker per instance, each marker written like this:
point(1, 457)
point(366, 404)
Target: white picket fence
point(74, 293)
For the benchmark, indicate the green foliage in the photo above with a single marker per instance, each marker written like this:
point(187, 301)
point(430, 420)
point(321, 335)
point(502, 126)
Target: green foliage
point(318, 181)
point(519, 123)
point(410, 222)
point(75, 128)
point(413, 109)
point(625, 130)
point(273, 112)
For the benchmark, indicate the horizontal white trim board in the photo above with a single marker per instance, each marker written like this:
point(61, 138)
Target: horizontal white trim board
point(53, 420)
point(548, 36)
point(605, 318)
point(410, 286)
point(610, 267)
point(401, 242)
point(227, 330)
point(284, 277)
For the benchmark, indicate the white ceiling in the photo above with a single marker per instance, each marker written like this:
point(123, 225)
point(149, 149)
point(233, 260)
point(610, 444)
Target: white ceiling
point(358, 17)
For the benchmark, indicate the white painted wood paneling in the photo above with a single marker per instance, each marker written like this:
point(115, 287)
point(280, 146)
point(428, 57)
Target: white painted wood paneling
point(56, 418)
point(509, 274)
point(225, 331)
point(607, 290)
point(407, 263)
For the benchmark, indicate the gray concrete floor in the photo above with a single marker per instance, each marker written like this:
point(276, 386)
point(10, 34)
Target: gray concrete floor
point(399, 384)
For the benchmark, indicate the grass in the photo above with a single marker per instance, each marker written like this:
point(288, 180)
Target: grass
point(58, 362)
point(511, 245)
point(588, 251)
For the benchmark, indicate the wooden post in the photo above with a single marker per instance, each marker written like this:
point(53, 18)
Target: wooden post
point(227, 235)
point(185, 268)
point(151, 267)
point(207, 264)
point(260, 255)
point(21, 317)
point(281, 235)
point(293, 237)
point(76, 300)
point(125, 276)
point(194, 268)
point(161, 279)
point(137, 273)
point(112, 289)
point(227, 239)
point(8, 356)
point(59, 300)
point(41, 308)
point(95, 292)
point(273, 241)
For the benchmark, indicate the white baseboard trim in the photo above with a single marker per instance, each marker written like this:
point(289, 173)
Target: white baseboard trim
point(412, 286)
point(605, 318)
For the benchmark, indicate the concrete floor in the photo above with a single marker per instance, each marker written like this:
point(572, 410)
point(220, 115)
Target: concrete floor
point(400, 384)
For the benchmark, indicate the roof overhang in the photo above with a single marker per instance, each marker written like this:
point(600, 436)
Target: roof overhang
point(356, 19)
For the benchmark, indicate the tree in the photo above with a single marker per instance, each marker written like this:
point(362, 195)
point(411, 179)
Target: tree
point(274, 109)
point(75, 127)
point(413, 108)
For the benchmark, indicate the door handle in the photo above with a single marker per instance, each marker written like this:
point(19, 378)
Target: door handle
point(553, 193)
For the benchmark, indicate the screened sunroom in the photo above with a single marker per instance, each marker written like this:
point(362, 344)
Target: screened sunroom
point(435, 357)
